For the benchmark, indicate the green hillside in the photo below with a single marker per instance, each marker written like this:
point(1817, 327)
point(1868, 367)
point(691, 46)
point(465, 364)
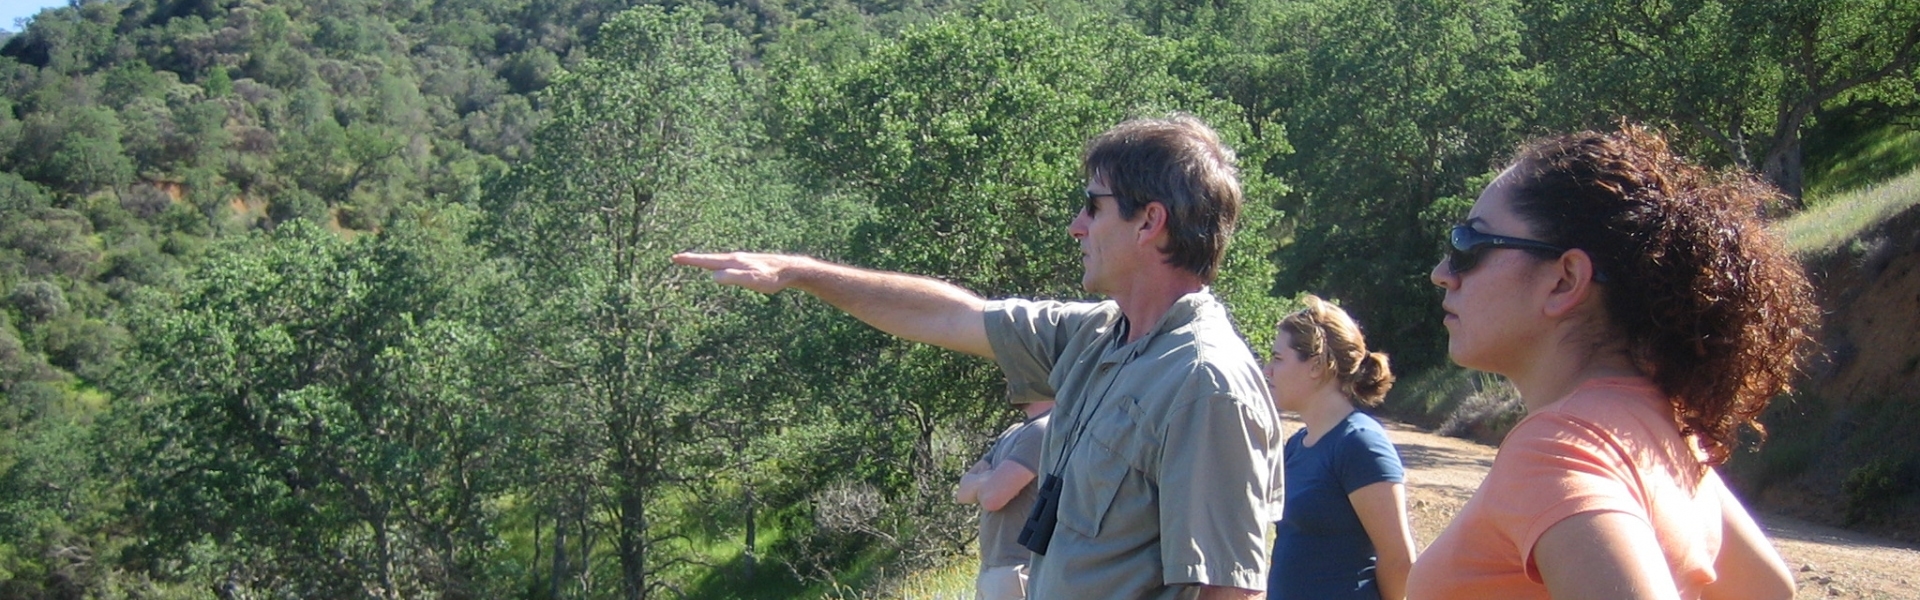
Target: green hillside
point(344, 298)
point(1847, 218)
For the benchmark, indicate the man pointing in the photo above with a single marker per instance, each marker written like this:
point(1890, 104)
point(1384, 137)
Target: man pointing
point(1165, 445)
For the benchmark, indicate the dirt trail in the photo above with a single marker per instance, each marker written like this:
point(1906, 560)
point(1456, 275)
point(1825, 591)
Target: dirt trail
point(1442, 473)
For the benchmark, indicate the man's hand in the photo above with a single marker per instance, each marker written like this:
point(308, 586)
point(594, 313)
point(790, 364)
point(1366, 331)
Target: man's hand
point(764, 273)
point(968, 490)
point(918, 308)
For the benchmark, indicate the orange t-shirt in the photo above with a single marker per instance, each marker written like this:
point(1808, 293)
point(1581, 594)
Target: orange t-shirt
point(1611, 445)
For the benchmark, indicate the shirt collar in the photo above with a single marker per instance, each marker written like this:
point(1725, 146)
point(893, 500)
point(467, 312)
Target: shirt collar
point(1182, 312)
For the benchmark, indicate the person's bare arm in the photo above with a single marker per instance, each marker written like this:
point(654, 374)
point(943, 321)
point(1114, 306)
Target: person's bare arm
point(968, 490)
point(917, 308)
point(1382, 508)
point(1603, 555)
point(1216, 592)
point(999, 485)
point(1748, 567)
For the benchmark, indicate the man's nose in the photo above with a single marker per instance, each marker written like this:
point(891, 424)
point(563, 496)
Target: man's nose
point(1078, 227)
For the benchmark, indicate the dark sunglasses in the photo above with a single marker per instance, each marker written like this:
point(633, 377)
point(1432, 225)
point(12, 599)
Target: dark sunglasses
point(1469, 246)
point(1093, 201)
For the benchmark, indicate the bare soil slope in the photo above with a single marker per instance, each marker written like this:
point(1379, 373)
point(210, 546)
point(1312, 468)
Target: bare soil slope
point(1859, 411)
point(1442, 473)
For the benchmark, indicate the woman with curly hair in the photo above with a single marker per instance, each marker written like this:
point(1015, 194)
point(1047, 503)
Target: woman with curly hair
point(1646, 317)
point(1344, 533)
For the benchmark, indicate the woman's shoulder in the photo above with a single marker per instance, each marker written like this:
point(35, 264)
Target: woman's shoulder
point(1622, 414)
point(1358, 421)
point(1361, 432)
point(1610, 400)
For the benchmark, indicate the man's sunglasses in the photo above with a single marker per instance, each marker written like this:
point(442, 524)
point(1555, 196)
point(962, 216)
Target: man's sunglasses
point(1469, 246)
point(1093, 201)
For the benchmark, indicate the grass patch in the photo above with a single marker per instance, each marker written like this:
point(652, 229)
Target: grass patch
point(1831, 223)
point(1427, 398)
point(1457, 402)
point(1859, 152)
point(952, 581)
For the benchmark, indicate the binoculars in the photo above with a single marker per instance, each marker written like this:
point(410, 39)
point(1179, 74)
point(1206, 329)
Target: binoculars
point(1037, 533)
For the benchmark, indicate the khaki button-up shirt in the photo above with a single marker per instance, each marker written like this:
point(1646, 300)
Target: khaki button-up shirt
point(1168, 447)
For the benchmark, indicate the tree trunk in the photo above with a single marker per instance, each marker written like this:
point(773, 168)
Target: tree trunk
point(534, 570)
point(385, 545)
point(752, 534)
point(586, 543)
point(633, 539)
point(559, 570)
point(1786, 168)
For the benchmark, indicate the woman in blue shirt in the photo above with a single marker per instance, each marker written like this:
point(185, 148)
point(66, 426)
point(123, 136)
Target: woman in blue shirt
point(1343, 533)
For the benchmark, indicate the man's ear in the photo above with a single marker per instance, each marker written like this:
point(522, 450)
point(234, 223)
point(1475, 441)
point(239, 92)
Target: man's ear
point(1153, 221)
point(1575, 285)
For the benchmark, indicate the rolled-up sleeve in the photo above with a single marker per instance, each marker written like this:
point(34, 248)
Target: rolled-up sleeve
point(1028, 338)
point(1215, 483)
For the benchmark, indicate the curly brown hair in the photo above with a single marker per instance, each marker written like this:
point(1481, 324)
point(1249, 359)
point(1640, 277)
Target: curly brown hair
point(1711, 304)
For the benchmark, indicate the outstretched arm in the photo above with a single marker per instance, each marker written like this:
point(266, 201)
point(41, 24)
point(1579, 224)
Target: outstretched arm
point(917, 308)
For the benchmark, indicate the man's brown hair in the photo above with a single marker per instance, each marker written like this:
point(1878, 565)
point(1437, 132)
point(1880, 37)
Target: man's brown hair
point(1179, 162)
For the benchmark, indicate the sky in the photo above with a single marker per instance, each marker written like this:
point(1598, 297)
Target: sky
point(16, 9)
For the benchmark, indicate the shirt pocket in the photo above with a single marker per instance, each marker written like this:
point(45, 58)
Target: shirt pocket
point(1115, 445)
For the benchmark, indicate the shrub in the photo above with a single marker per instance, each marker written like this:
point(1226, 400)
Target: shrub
point(145, 201)
point(1488, 414)
point(297, 204)
point(1427, 398)
point(86, 347)
point(16, 363)
point(18, 195)
point(38, 300)
point(141, 261)
point(1871, 489)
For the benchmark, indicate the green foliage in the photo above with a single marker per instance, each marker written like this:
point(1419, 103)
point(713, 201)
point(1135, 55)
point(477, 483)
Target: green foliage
point(1839, 221)
point(38, 300)
point(657, 384)
point(529, 71)
point(328, 421)
point(52, 241)
point(1401, 103)
point(1872, 489)
point(1867, 144)
point(1747, 78)
point(77, 149)
point(218, 83)
point(251, 331)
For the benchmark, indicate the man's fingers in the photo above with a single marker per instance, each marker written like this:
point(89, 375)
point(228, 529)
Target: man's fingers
point(709, 262)
point(757, 272)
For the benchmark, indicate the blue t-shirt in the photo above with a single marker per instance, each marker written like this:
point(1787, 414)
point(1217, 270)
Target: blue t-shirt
point(1320, 550)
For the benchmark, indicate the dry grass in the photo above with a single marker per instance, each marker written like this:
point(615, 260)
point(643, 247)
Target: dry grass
point(952, 581)
point(1836, 221)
